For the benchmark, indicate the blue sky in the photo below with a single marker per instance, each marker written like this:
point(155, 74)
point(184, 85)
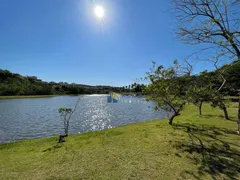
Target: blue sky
point(62, 40)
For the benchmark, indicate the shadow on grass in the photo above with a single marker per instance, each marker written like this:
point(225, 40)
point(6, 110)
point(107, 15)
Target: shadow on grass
point(210, 116)
point(67, 154)
point(59, 145)
point(232, 118)
point(213, 156)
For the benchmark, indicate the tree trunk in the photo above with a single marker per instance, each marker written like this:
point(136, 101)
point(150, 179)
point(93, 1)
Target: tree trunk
point(225, 113)
point(238, 116)
point(62, 139)
point(170, 121)
point(66, 128)
point(200, 108)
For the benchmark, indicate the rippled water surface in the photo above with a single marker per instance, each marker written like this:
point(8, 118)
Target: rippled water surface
point(39, 117)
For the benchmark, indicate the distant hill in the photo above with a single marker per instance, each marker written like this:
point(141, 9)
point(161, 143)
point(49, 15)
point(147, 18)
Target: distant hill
point(231, 73)
point(16, 84)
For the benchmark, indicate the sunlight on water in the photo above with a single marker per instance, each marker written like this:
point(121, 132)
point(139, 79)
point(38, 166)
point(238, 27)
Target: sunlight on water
point(35, 118)
point(96, 95)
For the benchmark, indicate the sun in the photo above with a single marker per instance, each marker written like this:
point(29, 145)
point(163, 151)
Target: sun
point(99, 11)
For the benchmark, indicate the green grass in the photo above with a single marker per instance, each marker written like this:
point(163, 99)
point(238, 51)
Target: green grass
point(205, 147)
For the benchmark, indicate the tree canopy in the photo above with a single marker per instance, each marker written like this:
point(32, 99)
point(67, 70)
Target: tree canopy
point(15, 84)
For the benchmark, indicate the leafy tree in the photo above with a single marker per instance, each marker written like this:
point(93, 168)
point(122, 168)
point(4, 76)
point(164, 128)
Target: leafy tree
point(66, 114)
point(132, 86)
point(15, 84)
point(206, 87)
point(217, 100)
point(167, 87)
point(199, 90)
point(197, 96)
point(138, 88)
point(75, 90)
point(214, 23)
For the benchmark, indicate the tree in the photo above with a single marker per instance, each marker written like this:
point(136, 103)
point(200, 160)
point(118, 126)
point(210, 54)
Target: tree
point(200, 88)
point(197, 96)
point(168, 88)
point(138, 88)
point(214, 23)
point(217, 100)
point(132, 86)
point(206, 88)
point(66, 114)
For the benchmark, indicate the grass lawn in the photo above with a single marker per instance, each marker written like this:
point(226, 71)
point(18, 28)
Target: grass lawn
point(205, 147)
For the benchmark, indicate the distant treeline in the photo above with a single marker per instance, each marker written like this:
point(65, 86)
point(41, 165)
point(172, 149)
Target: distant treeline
point(15, 84)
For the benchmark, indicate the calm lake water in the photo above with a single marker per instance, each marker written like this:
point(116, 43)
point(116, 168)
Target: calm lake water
point(38, 117)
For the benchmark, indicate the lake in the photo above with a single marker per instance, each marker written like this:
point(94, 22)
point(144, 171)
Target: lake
point(38, 117)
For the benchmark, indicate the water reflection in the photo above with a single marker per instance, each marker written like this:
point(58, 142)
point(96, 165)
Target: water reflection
point(34, 118)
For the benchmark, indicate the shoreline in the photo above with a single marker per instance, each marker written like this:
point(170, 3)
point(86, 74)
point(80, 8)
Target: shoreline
point(37, 96)
point(164, 119)
point(28, 96)
point(82, 133)
point(117, 152)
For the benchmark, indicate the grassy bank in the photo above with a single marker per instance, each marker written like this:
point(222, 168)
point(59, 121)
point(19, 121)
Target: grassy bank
point(205, 147)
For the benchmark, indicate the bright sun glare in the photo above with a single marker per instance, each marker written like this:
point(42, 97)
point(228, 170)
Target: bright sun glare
point(99, 11)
